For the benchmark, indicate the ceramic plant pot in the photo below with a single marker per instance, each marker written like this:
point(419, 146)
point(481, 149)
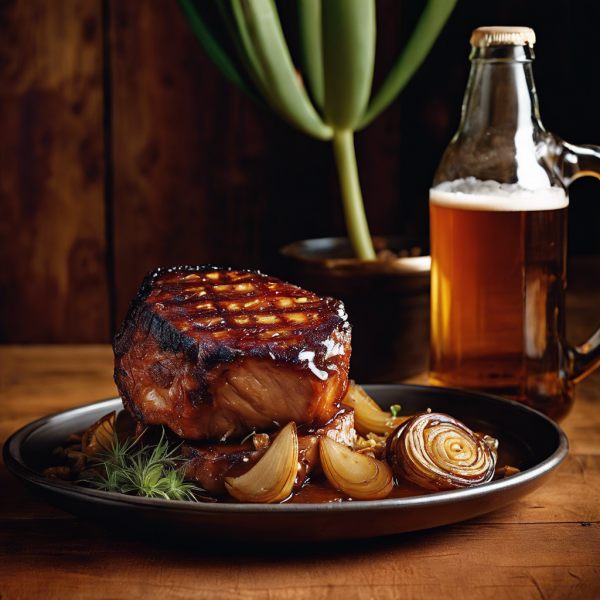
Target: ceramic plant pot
point(387, 302)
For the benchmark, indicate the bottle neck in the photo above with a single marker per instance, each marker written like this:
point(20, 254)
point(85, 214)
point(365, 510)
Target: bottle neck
point(501, 98)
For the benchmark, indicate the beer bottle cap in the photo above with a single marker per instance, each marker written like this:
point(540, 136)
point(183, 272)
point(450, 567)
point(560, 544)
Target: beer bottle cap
point(500, 36)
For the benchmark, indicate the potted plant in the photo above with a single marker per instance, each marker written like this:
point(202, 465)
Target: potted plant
point(386, 295)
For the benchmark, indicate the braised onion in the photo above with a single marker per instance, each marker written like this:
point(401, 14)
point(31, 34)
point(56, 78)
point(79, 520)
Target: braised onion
point(100, 436)
point(438, 452)
point(368, 415)
point(272, 478)
point(358, 475)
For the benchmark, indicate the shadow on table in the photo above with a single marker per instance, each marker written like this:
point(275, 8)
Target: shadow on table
point(238, 551)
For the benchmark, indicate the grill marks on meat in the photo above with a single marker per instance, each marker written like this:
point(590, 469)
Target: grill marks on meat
point(210, 464)
point(216, 354)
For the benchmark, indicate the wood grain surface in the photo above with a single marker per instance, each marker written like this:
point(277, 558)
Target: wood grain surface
point(545, 546)
point(53, 280)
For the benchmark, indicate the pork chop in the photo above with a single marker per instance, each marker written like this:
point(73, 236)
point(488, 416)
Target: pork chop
point(215, 354)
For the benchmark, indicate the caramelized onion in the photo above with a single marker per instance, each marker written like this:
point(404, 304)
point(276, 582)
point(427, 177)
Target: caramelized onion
point(100, 436)
point(368, 416)
point(358, 475)
point(271, 479)
point(438, 452)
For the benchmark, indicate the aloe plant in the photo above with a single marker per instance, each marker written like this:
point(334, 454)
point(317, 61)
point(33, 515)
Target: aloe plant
point(337, 39)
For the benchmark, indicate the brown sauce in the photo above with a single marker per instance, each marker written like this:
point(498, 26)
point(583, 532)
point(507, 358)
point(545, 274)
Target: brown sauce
point(320, 491)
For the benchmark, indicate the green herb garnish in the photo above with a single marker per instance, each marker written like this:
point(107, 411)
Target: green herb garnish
point(395, 410)
point(150, 471)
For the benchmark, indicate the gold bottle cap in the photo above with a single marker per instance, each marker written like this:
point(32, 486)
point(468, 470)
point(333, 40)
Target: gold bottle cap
point(497, 36)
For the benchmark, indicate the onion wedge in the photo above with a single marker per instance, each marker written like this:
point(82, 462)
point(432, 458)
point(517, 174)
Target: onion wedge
point(358, 475)
point(368, 416)
point(100, 436)
point(272, 478)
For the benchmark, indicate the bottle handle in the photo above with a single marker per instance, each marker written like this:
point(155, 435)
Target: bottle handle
point(570, 162)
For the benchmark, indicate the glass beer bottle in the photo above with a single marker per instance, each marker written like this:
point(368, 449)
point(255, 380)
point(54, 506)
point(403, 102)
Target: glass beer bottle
point(498, 210)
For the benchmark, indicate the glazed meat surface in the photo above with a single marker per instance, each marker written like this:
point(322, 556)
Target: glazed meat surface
point(215, 354)
point(209, 464)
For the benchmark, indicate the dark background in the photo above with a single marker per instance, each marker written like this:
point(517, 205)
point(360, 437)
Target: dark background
point(122, 148)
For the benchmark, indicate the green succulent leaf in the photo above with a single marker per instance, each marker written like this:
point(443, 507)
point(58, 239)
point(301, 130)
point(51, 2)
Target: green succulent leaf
point(264, 43)
point(349, 35)
point(424, 35)
point(214, 49)
point(311, 46)
point(337, 39)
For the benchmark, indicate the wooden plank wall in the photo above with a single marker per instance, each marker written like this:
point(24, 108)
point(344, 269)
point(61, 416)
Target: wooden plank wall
point(53, 280)
point(122, 149)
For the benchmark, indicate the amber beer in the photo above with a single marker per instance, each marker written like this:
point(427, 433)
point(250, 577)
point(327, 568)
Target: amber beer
point(498, 221)
point(498, 282)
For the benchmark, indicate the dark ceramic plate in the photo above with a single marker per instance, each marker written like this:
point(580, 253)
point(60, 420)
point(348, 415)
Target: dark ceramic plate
point(528, 440)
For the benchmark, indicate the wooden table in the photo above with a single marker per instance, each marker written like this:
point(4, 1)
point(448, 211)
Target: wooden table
point(545, 546)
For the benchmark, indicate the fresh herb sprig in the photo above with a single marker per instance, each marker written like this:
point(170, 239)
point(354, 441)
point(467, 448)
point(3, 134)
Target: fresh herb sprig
point(395, 410)
point(150, 471)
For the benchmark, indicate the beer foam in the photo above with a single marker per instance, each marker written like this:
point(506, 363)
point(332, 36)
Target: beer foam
point(473, 194)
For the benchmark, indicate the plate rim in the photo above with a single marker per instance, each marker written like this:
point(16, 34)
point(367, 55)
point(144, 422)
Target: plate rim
point(14, 463)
